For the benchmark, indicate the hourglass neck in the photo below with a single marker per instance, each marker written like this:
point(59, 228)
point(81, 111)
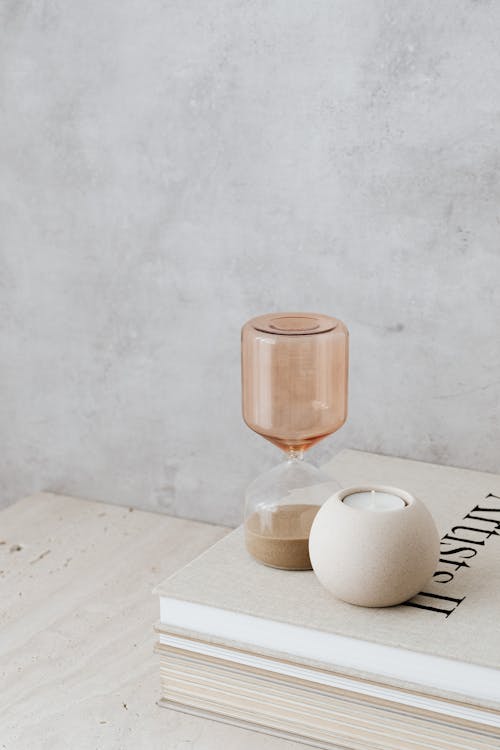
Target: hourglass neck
point(294, 454)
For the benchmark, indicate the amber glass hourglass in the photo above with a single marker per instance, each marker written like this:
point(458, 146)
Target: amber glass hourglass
point(294, 382)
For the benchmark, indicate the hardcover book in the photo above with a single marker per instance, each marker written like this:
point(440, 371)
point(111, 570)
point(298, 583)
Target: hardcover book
point(231, 627)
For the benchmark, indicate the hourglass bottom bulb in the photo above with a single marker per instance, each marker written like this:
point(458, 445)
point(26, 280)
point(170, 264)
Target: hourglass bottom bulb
point(280, 508)
point(282, 541)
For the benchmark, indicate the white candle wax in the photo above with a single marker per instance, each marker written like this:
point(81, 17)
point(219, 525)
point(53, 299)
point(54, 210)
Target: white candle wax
point(373, 500)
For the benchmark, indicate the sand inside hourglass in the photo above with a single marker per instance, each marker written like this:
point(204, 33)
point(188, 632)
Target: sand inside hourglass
point(279, 536)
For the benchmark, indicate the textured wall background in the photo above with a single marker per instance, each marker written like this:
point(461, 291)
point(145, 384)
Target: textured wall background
point(169, 169)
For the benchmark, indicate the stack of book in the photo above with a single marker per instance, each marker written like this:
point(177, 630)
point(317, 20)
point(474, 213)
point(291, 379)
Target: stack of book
point(271, 650)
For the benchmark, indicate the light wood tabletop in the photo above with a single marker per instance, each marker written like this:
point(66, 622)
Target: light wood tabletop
point(76, 629)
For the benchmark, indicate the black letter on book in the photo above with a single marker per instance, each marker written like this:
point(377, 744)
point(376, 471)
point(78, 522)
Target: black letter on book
point(459, 549)
point(487, 532)
point(461, 539)
point(445, 611)
point(448, 576)
point(477, 509)
point(457, 563)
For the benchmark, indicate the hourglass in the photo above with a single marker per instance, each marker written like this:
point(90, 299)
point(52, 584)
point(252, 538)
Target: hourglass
point(294, 382)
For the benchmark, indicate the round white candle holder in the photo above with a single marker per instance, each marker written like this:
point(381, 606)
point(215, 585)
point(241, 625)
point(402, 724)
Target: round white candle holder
point(374, 546)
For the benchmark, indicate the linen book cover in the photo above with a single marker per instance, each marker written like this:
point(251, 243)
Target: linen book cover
point(452, 622)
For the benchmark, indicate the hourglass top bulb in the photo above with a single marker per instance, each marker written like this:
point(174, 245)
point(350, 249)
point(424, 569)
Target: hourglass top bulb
point(294, 377)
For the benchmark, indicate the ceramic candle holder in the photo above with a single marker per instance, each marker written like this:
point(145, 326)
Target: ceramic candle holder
point(373, 554)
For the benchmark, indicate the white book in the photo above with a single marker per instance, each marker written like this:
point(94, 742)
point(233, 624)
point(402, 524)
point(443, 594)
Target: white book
point(439, 652)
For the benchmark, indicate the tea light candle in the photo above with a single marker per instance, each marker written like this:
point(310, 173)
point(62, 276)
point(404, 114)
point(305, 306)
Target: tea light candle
point(375, 501)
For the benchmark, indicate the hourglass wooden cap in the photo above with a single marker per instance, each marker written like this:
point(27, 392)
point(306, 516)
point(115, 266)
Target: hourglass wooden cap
point(294, 323)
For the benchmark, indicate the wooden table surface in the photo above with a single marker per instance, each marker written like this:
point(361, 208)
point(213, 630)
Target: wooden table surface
point(76, 629)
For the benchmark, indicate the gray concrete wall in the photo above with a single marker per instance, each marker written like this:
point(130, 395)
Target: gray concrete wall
point(169, 169)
